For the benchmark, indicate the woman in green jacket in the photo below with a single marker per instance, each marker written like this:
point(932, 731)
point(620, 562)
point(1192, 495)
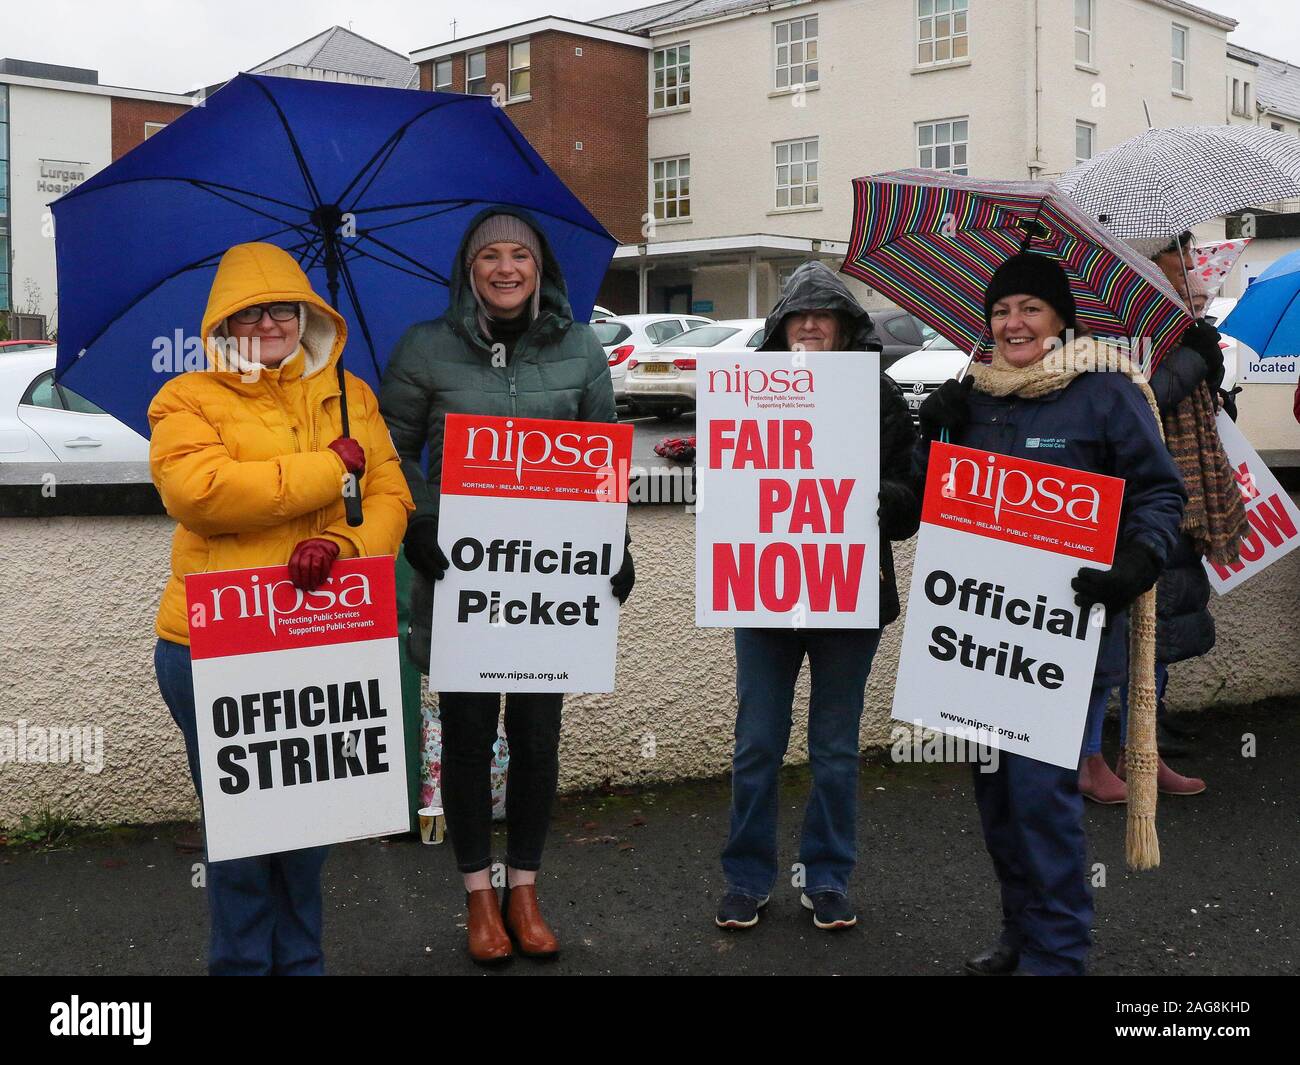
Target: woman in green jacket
point(507, 345)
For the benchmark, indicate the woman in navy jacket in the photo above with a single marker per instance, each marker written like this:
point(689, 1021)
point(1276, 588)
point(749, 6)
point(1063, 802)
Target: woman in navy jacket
point(1102, 422)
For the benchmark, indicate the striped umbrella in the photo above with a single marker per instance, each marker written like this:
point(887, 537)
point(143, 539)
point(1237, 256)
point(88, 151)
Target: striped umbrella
point(1164, 181)
point(931, 242)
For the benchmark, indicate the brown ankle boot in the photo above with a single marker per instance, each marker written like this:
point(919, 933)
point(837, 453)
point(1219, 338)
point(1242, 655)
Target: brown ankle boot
point(488, 942)
point(1168, 782)
point(1098, 783)
point(526, 925)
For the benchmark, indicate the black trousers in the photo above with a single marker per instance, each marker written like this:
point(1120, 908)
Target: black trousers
point(469, 730)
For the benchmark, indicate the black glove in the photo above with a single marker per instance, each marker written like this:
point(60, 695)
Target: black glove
point(623, 580)
point(1135, 569)
point(422, 550)
point(896, 510)
point(1228, 400)
point(947, 407)
point(1204, 339)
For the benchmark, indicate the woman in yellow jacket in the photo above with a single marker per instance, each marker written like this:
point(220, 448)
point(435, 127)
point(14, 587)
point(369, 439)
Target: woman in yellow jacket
point(249, 459)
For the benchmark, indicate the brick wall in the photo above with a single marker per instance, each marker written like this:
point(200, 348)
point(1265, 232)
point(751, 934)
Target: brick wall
point(598, 99)
point(129, 117)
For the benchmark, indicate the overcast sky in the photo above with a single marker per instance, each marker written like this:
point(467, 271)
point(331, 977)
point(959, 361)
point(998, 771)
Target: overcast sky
point(174, 46)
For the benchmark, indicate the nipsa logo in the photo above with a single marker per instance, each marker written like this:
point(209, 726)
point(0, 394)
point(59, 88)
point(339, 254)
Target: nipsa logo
point(1001, 487)
point(272, 600)
point(757, 383)
point(536, 451)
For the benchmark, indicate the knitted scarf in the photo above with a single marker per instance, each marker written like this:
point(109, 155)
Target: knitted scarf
point(1215, 519)
point(1051, 374)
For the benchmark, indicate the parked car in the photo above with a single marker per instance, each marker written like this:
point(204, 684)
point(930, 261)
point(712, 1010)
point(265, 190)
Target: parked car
point(41, 420)
point(622, 336)
point(598, 312)
point(899, 334)
point(921, 372)
point(7, 346)
point(662, 380)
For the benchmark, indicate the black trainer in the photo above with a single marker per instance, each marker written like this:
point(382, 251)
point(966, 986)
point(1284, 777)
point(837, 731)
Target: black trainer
point(738, 911)
point(831, 910)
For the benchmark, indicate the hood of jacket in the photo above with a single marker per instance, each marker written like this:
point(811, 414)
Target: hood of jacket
point(262, 273)
point(554, 316)
point(814, 286)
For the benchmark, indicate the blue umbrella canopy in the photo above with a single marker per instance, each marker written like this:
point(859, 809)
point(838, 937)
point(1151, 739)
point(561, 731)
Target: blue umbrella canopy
point(1267, 317)
point(369, 188)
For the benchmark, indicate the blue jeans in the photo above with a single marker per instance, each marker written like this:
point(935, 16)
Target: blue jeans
point(265, 911)
point(767, 666)
point(1097, 712)
point(1032, 816)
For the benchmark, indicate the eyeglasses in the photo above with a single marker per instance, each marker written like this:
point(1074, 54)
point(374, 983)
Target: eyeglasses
point(279, 312)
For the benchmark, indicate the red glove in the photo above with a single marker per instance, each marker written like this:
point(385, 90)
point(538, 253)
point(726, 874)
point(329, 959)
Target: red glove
point(352, 454)
point(310, 563)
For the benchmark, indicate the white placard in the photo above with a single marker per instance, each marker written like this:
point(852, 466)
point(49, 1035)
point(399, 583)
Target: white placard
point(788, 478)
point(1274, 517)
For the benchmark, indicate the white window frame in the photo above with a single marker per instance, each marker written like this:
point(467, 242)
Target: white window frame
point(809, 180)
point(952, 143)
point(680, 92)
point(1086, 32)
point(1091, 127)
point(470, 80)
point(669, 179)
point(1178, 66)
point(926, 16)
point(784, 75)
point(150, 128)
point(450, 84)
point(512, 70)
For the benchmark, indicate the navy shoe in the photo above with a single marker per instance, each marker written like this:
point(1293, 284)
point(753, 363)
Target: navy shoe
point(1000, 960)
point(738, 911)
point(831, 910)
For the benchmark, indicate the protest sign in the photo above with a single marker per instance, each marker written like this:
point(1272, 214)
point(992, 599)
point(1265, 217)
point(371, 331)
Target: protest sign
point(299, 707)
point(1274, 517)
point(532, 517)
point(787, 479)
point(994, 648)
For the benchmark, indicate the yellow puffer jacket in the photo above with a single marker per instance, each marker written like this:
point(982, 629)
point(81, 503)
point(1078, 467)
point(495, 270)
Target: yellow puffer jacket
point(241, 459)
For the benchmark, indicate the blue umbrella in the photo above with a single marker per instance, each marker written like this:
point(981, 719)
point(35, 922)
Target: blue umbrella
point(1267, 317)
point(370, 189)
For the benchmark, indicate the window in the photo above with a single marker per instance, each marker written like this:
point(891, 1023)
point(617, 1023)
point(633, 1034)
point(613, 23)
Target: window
point(796, 52)
point(661, 331)
point(1083, 16)
point(1277, 126)
point(941, 35)
point(42, 393)
point(942, 145)
point(1179, 56)
point(150, 128)
point(476, 73)
point(672, 77)
point(1240, 97)
point(796, 174)
point(442, 76)
point(672, 188)
point(1084, 135)
point(520, 69)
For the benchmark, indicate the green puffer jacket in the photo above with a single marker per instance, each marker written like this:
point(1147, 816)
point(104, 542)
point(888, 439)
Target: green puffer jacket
point(444, 366)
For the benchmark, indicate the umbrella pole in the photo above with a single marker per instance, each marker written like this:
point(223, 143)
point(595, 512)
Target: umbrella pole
point(351, 486)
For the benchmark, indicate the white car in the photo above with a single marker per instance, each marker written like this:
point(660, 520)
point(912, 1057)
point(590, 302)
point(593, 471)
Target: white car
point(623, 336)
point(921, 372)
point(662, 381)
point(42, 421)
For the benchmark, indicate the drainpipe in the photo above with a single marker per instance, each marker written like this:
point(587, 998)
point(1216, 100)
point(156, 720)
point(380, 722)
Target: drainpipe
point(752, 304)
